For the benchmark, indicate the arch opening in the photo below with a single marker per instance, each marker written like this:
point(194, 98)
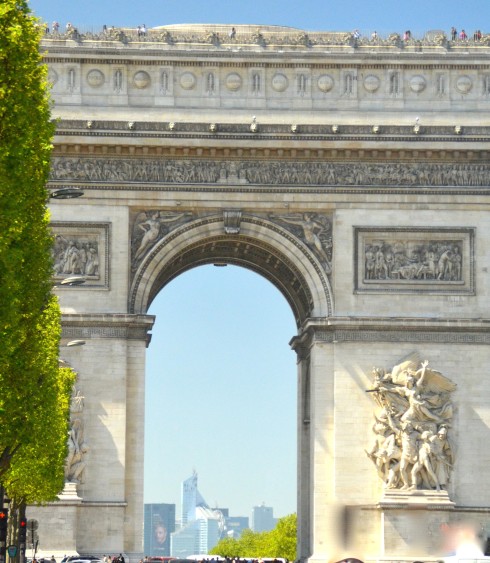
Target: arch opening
point(224, 334)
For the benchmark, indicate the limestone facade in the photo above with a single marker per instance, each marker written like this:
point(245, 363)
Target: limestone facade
point(293, 154)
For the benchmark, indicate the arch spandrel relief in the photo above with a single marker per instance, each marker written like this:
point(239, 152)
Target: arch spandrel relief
point(315, 230)
point(151, 226)
point(412, 447)
point(287, 257)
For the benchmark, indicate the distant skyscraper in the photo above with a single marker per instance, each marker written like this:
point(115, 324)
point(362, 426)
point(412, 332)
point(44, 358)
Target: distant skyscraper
point(262, 518)
point(191, 499)
point(159, 524)
point(202, 527)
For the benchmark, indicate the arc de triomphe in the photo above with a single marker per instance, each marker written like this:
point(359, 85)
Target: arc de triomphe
point(354, 176)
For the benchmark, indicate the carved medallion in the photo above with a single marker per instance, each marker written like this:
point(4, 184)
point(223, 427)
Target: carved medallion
point(52, 76)
point(325, 83)
point(371, 83)
point(188, 81)
point(141, 79)
point(417, 84)
point(233, 81)
point(279, 82)
point(464, 84)
point(95, 78)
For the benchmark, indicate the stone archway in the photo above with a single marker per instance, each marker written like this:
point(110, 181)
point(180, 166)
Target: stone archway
point(246, 174)
point(258, 244)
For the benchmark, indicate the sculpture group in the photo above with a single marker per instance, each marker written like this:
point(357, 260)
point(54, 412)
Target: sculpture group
point(411, 448)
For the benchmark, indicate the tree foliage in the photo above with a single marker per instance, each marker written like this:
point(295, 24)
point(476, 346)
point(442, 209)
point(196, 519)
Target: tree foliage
point(279, 542)
point(34, 391)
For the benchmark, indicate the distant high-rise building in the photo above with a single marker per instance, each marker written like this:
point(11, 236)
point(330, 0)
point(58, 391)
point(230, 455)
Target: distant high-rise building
point(159, 524)
point(202, 527)
point(235, 526)
point(262, 518)
point(191, 499)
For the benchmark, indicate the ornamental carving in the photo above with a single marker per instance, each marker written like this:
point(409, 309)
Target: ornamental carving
point(409, 259)
point(78, 448)
point(269, 173)
point(438, 260)
point(414, 411)
point(151, 226)
point(81, 249)
point(314, 230)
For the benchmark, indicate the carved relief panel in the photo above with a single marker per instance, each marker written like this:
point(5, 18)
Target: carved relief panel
point(414, 260)
point(81, 249)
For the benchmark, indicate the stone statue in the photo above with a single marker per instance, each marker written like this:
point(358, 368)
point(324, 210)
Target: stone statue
point(77, 447)
point(411, 449)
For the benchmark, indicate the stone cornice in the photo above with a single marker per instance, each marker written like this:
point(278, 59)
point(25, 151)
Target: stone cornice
point(254, 59)
point(107, 325)
point(391, 329)
point(332, 132)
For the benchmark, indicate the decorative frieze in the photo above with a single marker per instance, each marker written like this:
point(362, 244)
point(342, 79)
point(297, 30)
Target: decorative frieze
point(279, 172)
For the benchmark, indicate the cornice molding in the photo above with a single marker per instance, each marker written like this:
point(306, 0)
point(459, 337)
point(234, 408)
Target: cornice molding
point(106, 325)
point(390, 329)
point(274, 131)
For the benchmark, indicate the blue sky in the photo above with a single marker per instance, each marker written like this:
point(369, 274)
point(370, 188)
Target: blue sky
point(221, 378)
point(221, 392)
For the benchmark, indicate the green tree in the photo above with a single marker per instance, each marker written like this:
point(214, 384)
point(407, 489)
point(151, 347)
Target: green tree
point(279, 542)
point(34, 391)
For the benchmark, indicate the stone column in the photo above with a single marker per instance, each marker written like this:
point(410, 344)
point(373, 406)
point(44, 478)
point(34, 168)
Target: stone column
point(304, 447)
point(135, 424)
point(317, 508)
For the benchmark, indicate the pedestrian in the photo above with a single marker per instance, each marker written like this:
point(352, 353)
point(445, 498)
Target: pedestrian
point(55, 27)
point(232, 33)
point(463, 35)
point(454, 34)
